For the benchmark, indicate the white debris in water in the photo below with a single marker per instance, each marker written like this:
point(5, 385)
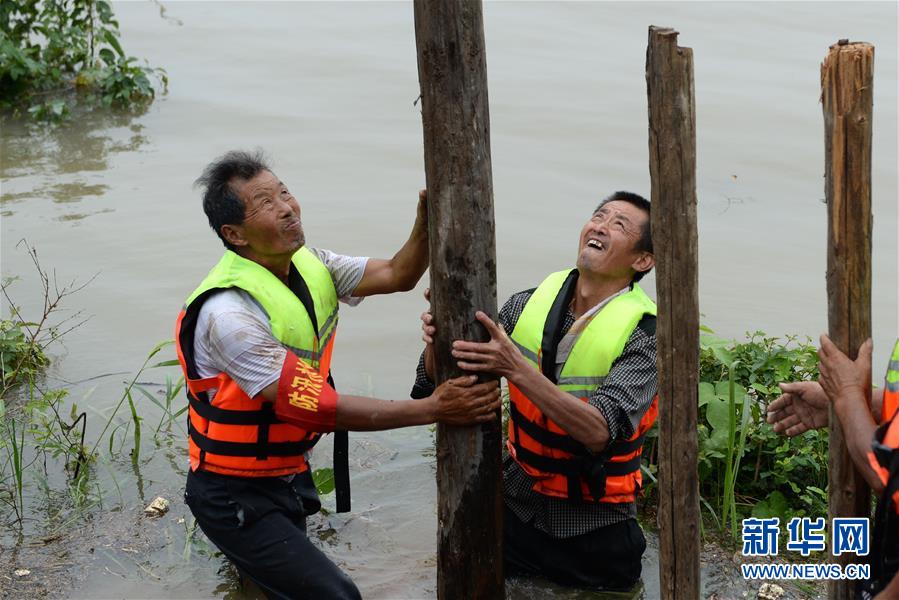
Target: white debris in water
point(157, 508)
point(21, 572)
point(771, 591)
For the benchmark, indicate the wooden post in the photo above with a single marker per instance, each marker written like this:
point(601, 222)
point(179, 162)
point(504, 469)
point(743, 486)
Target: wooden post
point(847, 80)
point(452, 72)
point(672, 169)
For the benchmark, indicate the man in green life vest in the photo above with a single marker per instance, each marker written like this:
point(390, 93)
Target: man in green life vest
point(254, 340)
point(579, 359)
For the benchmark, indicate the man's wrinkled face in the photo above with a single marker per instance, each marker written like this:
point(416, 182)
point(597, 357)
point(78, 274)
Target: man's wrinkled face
point(271, 223)
point(608, 241)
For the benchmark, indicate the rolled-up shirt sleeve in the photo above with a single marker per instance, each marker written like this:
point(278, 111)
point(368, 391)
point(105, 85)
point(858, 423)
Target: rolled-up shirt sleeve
point(628, 389)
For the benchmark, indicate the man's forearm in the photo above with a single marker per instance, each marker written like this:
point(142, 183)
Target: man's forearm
point(582, 421)
point(858, 430)
point(411, 260)
point(358, 413)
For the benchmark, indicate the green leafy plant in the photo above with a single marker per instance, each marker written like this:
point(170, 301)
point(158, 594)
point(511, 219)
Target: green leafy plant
point(20, 357)
point(58, 54)
point(745, 469)
point(324, 480)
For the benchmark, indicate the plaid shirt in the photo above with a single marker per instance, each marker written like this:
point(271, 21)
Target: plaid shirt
point(623, 398)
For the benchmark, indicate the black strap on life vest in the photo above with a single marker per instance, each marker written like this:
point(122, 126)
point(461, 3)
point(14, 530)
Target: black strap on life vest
point(566, 443)
point(552, 328)
point(341, 466)
point(250, 449)
point(589, 469)
point(583, 465)
point(264, 417)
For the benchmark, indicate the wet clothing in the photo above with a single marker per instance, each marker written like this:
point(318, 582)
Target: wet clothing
point(625, 395)
point(608, 558)
point(259, 523)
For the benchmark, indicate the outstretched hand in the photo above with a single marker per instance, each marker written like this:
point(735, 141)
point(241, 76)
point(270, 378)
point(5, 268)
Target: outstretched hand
point(803, 406)
point(499, 355)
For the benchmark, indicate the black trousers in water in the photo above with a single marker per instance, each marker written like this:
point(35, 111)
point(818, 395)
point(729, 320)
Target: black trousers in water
point(260, 525)
point(608, 558)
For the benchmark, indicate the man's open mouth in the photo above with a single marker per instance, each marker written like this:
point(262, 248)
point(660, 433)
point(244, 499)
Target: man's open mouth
point(595, 244)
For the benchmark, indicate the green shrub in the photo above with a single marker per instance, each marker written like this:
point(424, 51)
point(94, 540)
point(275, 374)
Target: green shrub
point(745, 469)
point(56, 54)
point(21, 359)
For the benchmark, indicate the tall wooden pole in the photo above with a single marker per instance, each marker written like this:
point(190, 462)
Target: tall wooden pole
point(452, 72)
point(672, 169)
point(847, 80)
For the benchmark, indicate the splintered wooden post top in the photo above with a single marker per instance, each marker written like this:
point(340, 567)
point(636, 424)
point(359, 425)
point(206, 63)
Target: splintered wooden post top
point(855, 62)
point(663, 31)
point(661, 37)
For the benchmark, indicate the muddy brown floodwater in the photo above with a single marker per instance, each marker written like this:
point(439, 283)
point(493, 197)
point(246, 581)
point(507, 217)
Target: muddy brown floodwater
point(328, 90)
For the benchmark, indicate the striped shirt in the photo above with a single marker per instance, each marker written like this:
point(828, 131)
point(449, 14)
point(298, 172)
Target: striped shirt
point(623, 398)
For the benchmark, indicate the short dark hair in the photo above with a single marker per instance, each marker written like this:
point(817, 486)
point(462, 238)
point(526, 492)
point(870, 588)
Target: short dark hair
point(644, 244)
point(221, 203)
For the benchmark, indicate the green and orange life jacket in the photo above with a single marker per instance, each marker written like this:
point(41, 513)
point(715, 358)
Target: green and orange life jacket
point(560, 466)
point(235, 434)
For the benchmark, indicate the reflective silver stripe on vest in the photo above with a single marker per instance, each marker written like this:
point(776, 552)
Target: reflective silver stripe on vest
point(894, 365)
point(587, 385)
point(526, 352)
point(328, 322)
point(327, 340)
point(303, 353)
point(893, 386)
point(585, 381)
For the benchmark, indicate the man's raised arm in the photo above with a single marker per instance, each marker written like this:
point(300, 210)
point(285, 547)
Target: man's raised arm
point(402, 272)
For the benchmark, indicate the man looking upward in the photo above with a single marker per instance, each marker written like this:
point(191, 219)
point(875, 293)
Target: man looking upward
point(255, 340)
point(579, 360)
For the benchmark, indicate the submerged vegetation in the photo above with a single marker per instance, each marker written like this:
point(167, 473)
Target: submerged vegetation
point(44, 457)
point(59, 54)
